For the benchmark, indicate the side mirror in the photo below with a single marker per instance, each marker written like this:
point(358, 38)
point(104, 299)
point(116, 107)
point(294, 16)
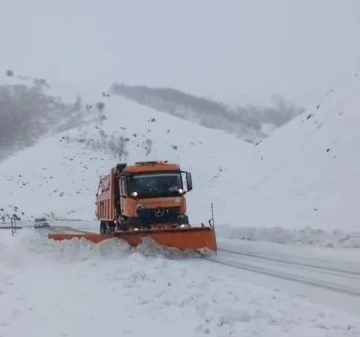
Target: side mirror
point(189, 181)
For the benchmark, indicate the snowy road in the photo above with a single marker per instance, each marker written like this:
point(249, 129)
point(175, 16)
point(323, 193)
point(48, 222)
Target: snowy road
point(313, 275)
point(342, 281)
point(80, 289)
point(325, 275)
point(334, 287)
point(319, 273)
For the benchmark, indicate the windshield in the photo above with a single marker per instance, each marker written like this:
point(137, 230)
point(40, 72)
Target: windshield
point(156, 185)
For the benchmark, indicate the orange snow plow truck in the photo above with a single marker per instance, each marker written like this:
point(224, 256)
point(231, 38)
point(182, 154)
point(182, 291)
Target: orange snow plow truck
point(147, 199)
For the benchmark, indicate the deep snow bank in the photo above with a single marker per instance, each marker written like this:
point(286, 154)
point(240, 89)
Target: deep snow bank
point(301, 236)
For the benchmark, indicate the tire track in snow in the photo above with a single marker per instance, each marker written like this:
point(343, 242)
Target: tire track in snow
point(348, 282)
point(294, 263)
point(276, 267)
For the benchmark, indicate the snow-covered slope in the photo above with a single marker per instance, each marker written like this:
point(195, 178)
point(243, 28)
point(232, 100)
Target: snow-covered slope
point(30, 109)
point(308, 172)
point(66, 91)
point(305, 175)
point(61, 173)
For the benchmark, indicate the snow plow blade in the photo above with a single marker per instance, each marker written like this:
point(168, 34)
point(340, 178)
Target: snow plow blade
point(201, 239)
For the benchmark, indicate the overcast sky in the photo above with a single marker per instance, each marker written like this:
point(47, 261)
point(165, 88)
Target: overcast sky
point(226, 49)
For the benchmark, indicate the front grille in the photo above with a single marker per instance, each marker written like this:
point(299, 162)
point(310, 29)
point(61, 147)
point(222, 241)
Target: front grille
point(158, 215)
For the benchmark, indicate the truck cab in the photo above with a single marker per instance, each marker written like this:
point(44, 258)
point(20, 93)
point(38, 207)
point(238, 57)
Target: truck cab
point(148, 195)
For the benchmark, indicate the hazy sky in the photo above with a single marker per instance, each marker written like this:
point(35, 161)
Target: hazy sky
point(223, 49)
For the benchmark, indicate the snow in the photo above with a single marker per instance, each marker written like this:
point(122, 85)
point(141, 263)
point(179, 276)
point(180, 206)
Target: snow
point(303, 236)
point(297, 186)
point(307, 173)
point(63, 170)
point(289, 189)
point(66, 91)
point(80, 289)
point(342, 258)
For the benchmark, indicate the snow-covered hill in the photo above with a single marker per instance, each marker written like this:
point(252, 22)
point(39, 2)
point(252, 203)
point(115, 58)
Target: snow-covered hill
point(308, 172)
point(30, 109)
point(60, 174)
point(299, 182)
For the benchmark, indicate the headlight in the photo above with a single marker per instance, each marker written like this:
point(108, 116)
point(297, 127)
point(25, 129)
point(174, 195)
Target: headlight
point(181, 191)
point(134, 194)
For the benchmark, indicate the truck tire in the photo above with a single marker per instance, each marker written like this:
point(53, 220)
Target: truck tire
point(103, 228)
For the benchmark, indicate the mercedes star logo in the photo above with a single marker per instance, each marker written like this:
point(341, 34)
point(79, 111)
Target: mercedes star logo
point(159, 212)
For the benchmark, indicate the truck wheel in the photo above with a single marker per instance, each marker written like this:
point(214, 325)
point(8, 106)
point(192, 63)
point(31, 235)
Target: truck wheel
point(111, 226)
point(102, 228)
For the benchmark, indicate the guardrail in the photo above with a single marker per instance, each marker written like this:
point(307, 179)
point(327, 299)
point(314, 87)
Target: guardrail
point(12, 226)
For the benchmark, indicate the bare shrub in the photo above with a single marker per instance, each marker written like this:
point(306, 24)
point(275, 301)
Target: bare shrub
point(118, 147)
point(100, 106)
point(148, 146)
